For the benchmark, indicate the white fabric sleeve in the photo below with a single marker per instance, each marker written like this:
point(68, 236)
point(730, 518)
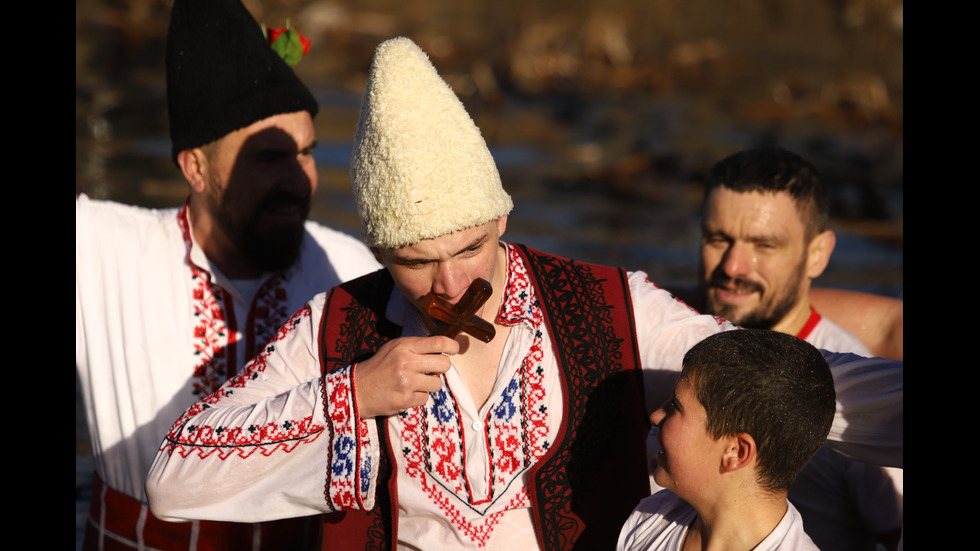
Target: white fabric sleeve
point(666, 328)
point(869, 425)
point(275, 441)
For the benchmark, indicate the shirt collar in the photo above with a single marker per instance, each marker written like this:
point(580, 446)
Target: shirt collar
point(199, 261)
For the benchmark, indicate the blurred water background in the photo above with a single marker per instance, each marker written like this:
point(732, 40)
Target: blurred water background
point(603, 115)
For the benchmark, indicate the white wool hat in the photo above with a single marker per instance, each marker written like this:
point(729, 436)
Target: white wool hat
point(420, 167)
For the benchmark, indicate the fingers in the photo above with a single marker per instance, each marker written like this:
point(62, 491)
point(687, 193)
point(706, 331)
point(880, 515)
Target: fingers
point(426, 384)
point(402, 374)
point(433, 345)
point(431, 360)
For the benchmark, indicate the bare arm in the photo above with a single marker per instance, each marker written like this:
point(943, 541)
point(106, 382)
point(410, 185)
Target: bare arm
point(878, 321)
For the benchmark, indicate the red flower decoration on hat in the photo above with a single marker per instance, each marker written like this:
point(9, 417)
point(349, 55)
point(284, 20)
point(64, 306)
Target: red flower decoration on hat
point(288, 43)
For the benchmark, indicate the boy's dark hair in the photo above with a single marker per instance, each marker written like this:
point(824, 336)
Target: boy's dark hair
point(773, 386)
point(774, 170)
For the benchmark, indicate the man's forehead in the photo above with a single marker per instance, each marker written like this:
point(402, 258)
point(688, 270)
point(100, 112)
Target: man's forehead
point(450, 243)
point(722, 192)
point(285, 129)
point(771, 209)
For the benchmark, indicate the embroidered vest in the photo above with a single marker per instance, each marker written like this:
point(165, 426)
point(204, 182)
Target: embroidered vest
point(585, 487)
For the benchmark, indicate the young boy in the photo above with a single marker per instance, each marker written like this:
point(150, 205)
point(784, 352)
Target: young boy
point(749, 410)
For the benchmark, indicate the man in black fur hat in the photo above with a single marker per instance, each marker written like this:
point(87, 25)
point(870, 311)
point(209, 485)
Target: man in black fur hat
point(171, 303)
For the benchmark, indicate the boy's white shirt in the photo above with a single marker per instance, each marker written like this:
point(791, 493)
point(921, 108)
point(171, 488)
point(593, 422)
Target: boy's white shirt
point(662, 521)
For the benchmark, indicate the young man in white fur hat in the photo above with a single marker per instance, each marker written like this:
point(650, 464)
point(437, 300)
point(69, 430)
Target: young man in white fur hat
point(533, 440)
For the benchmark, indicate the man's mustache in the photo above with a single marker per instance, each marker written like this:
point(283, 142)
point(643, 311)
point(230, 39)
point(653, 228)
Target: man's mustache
point(737, 284)
point(280, 198)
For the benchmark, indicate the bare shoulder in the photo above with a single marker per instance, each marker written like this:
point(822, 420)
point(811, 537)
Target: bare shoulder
point(877, 320)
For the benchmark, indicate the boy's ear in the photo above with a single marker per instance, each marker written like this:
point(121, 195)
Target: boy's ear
point(740, 452)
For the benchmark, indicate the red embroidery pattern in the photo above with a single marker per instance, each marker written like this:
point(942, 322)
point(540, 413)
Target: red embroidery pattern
point(478, 532)
point(516, 430)
point(258, 365)
point(214, 336)
point(269, 310)
point(210, 336)
point(447, 456)
point(187, 438)
point(245, 441)
point(521, 301)
point(508, 441)
point(343, 468)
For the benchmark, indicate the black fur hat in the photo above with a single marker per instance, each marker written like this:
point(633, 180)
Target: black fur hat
point(222, 75)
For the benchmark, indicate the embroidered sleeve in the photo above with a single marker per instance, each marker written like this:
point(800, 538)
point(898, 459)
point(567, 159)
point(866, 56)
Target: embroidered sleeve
point(192, 434)
point(257, 448)
point(352, 464)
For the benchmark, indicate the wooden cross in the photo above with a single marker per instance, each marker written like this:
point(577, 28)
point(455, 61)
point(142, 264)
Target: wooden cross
point(440, 317)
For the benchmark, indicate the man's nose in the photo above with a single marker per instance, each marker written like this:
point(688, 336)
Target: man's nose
point(296, 179)
point(450, 281)
point(737, 260)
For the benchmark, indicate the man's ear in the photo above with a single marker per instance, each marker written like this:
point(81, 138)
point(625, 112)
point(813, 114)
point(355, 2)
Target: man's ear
point(378, 255)
point(818, 253)
point(501, 226)
point(740, 452)
point(194, 164)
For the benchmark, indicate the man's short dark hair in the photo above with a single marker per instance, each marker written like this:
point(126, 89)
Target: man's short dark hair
point(773, 170)
point(773, 386)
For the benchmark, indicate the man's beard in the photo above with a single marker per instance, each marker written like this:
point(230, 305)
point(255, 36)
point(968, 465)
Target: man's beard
point(272, 249)
point(766, 314)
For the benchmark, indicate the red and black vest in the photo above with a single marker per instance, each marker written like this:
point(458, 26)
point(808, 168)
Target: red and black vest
point(585, 487)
